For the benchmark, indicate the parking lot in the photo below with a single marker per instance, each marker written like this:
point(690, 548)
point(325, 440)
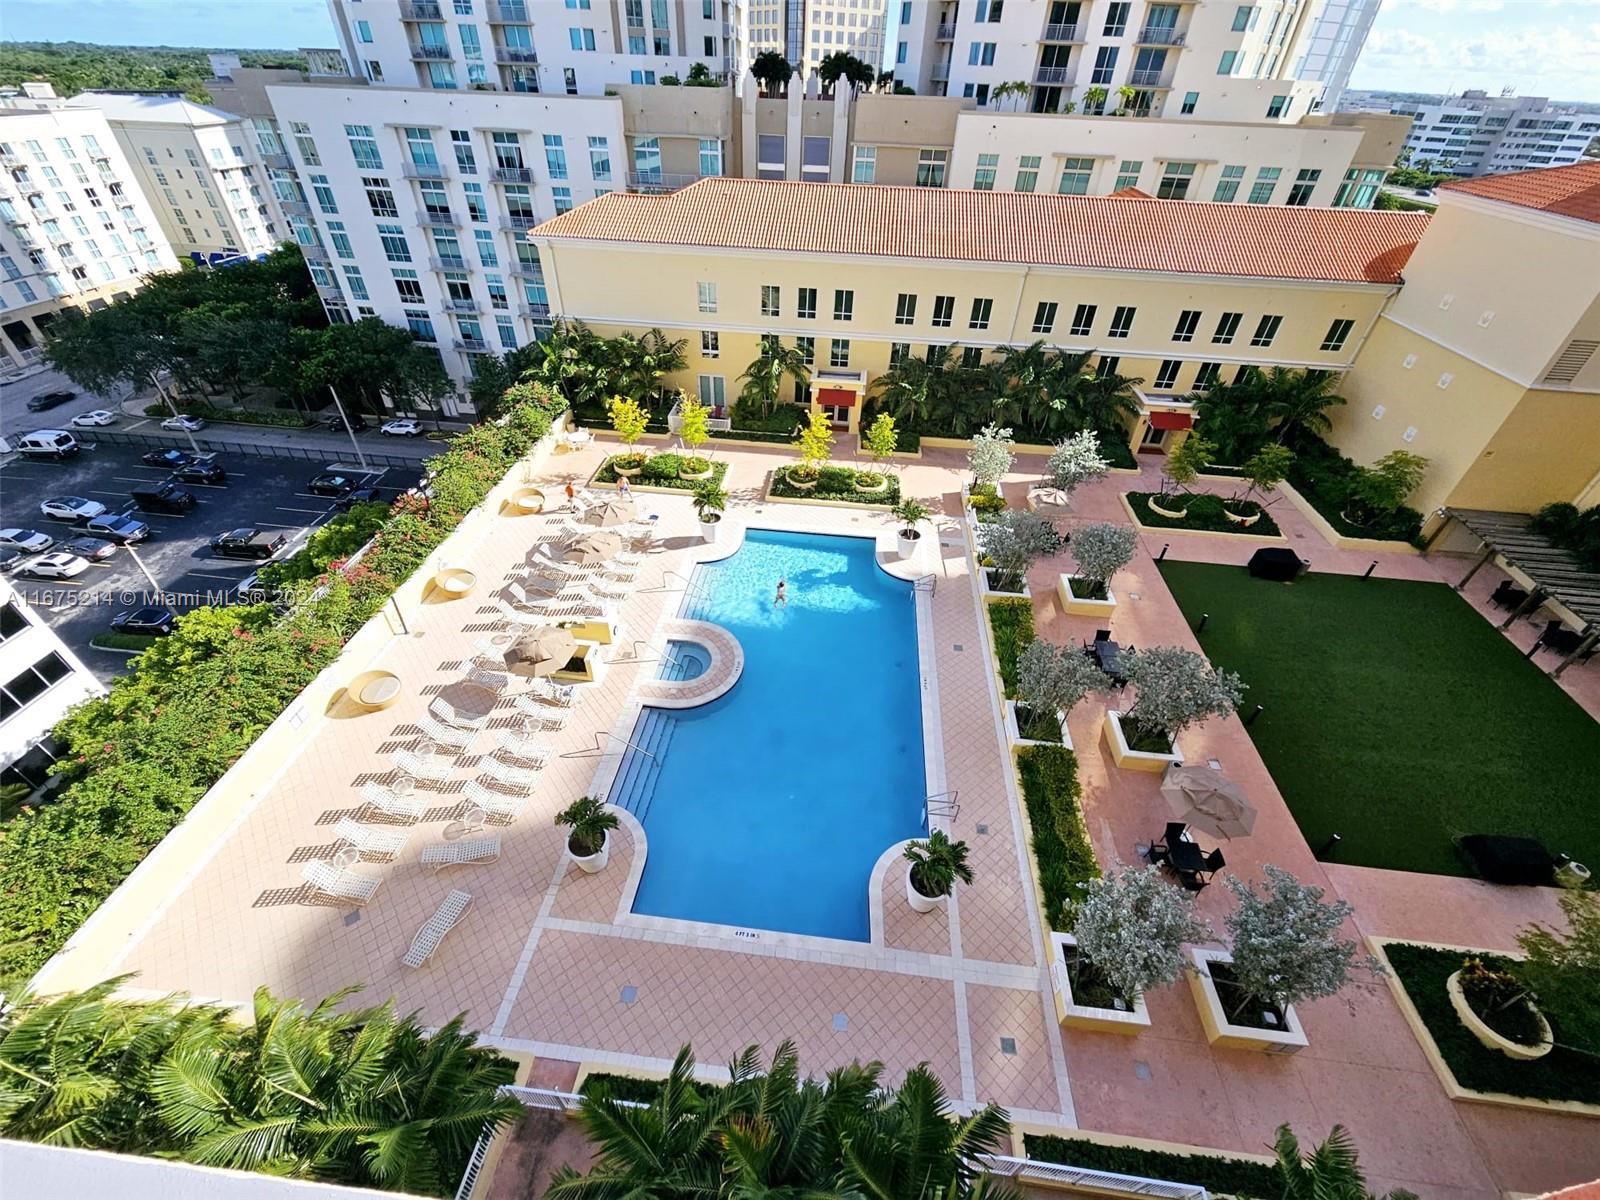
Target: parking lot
point(268, 493)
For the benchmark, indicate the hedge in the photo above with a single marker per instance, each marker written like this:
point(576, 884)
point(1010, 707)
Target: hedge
point(1011, 624)
point(1323, 476)
point(1204, 511)
point(1227, 1176)
point(277, 417)
point(135, 761)
point(661, 470)
point(836, 483)
point(1061, 848)
point(629, 1087)
point(112, 640)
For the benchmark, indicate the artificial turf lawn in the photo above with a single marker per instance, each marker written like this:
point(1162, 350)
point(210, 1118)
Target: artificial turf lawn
point(1398, 717)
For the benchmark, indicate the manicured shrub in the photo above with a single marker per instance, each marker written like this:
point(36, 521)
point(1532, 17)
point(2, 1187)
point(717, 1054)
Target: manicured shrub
point(1223, 1176)
point(1061, 849)
point(1011, 624)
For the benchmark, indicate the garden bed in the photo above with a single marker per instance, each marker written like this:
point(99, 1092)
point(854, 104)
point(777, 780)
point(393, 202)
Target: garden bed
point(661, 471)
point(631, 1087)
point(1062, 854)
point(276, 418)
point(1322, 477)
point(1204, 514)
point(1011, 626)
point(1220, 1175)
point(126, 643)
point(836, 485)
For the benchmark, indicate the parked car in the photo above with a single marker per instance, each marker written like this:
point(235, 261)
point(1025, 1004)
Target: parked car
point(155, 622)
point(54, 566)
point(164, 497)
point(46, 400)
point(121, 530)
point(26, 541)
point(248, 543)
point(183, 423)
point(200, 472)
point(403, 427)
point(1424, 191)
point(48, 443)
point(339, 425)
point(9, 560)
point(252, 590)
point(360, 495)
point(93, 549)
point(71, 508)
point(98, 416)
point(170, 458)
point(332, 483)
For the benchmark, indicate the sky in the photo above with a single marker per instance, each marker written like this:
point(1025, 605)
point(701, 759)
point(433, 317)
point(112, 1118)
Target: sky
point(1537, 47)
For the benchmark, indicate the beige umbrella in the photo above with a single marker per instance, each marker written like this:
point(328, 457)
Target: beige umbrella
point(594, 547)
point(1208, 800)
point(617, 511)
point(544, 651)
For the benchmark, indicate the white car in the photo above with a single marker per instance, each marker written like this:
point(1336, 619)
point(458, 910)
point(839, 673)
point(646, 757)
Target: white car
point(184, 424)
point(71, 508)
point(25, 541)
point(404, 427)
point(55, 566)
point(100, 416)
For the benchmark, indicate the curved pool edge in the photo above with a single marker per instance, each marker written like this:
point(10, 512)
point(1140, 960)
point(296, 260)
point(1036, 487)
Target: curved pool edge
point(880, 871)
point(727, 664)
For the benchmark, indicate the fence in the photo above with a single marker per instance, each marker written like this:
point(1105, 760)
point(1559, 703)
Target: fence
point(318, 454)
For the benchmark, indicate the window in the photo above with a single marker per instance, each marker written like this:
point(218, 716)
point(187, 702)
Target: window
point(1167, 374)
point(814, 158)
point(1190, 99)
point(710, 156)
point(1228, 185)
point(1044, 316)
point(1128, 174)
point(707, 293)
point(1266, 180)
point(324, 194)
point(944, 311)
point(1175, 181)
point(406, 286)
point(981, 311)
point(1075, 175)
point(1276, 106)
point(844, 304)
point(555, 156)
point(12, 622)
point(1206, 376)
point(23, 689)
point(905, 309)
point(395, 248)
point(1266, 330)
point(839, 352)
point(340, 240)
point(1122, 321)
point(1188, 322)
point(581, 39)
point(899, 352)
point(710, 345)
point(930, 167)
point(1338, 334)
point(1117, 19)
point(1227, 327)
point(364, 147)
point(358, 286)
point(1229, 57)
point(769, 300)
point(461, 141)
point(808, 349)
point(1305, 182)
point(379, 197)
point(647, 159)
point(1027, 173)
point(864, 165)
point(1107, 366)
point(1105, 65)
point(770, 150)
point(713, 391)
point(981, 54)
point(805, 303)
point(1241, 17)
point(983, 177)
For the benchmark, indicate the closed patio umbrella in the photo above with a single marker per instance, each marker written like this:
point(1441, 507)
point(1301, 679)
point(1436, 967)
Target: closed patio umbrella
point(542, 652)
point(618, 511)
point(1209, 801)
point(590, 548)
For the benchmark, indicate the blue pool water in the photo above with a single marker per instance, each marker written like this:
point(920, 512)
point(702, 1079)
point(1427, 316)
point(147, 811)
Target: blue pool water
point(767, 808)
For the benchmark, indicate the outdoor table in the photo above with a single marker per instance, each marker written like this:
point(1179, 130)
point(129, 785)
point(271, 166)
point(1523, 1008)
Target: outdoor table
point(1186, 857)
point(1107, 656)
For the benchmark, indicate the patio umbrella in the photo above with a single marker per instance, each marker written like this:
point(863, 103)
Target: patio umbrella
point(612, 512)
point(592, 548)
point(1208, 800)
point(542, 652)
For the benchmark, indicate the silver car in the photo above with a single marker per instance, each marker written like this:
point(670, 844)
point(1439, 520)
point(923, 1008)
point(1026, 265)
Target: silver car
point(25, 541)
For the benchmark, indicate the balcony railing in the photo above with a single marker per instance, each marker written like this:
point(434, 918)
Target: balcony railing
point(314, 254)
point(1160, 35)
point(459, 304)
point(10, 160)
point(438, 220)
point(659, 181)
point(1052, 76)
point(447, 262)
point(279, 162)
point(1061, 33)
point(507, 14)
point(940, 71)
point(535, 312)
point(1148, 79)
point(520, 55)
point(417, 170)
point(522, 270)
point(517, 223)
point(471, 345)
point(945, 33)
point(426, 52)
point(295, 208)
point(511, 175)
point(421, 10)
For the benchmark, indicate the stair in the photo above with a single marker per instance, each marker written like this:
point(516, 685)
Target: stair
point(636, 778)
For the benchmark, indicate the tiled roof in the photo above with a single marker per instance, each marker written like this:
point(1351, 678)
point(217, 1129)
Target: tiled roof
point(1565, 191)
point(1104, 232)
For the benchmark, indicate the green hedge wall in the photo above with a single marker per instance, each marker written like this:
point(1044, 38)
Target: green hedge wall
point(1011, 623)
point(1228, 1176)
point(1050, 791)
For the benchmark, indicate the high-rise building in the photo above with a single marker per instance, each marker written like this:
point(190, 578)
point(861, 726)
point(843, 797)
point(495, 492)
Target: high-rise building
point(1328, 54)
point(806, 31)
point(40, 679)
point(1478, 134)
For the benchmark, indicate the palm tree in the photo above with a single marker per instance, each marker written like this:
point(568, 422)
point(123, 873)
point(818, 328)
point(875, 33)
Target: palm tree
point(1091, 400)
point(907, 390)
point(937, 863)
point(1330, 1172)
point(1298, 400)
point(1235, 416)
point(771, 70)
point(763, 378)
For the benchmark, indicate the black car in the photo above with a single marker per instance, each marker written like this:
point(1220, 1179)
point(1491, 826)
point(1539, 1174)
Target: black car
point(164, 497)
point(156, 622)
point(92, 548)
point(248, 543)
point(339, 425)
point(332, 483)
point(9, 560)
point(49, 400)
point(200, 472)
point(170, 458)
point(360, 495)
point(119, 529)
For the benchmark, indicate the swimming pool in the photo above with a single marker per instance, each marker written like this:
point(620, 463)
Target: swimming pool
point(768, 807)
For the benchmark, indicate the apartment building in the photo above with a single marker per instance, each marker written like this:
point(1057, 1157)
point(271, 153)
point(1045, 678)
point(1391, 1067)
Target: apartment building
point(806, 31)
point(1478, 134)
point(1210, 60)
point(860, 277)
point(75, 228)
point(40, 679)
point(1328, 54)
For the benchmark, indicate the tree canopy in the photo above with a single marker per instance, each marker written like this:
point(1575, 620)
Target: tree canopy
point(73, 67)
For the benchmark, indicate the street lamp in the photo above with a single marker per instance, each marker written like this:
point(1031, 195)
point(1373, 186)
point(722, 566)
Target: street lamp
point(139, 562)
point(193, 445)
point(348, 428)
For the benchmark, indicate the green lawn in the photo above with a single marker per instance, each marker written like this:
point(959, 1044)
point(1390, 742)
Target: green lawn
point(1397, 717)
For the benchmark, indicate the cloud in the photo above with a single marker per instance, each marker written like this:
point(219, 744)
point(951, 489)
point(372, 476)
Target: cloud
point(1554, 58)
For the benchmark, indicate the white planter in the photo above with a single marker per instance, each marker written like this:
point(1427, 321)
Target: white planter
point(1132, 1021)
point(1220, 1031)
point(907, 542)
point(708, 529)
point(594, 862)
point(1136, 760)
point(1014, 729)
point(1480, 1029)
point(923, 904)
point(990, 594)
point(1078, 606)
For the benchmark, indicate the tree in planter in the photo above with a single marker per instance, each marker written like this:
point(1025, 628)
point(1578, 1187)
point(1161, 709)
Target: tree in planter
point(710, 499)
point(991, 455)
point(1053, 679)
point(1382, 488)
point(1285, 944)
point(588, 821)
point(1182, 467)
point(880, 442)
point(772, 71)
point(937, 864)
point(1174, 689)
point(1074, 462)
point(814, 445)
point(1264, 470)
point(910, 513)
point(1094, 100)
point(1131, 928)
point(629, 420)
point(1015, 90)
point(1012, 543)
point(1125, 97)
point(693, 432)
point(763, 378)
point(1563, 972)
point(1100, 550)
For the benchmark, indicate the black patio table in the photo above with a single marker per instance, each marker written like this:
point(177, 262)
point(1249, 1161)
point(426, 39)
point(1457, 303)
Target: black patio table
point(1107, 656)
point(1186, 857)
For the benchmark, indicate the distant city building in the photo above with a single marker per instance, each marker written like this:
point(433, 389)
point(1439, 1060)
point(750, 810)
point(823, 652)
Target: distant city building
point(40, 679)
point(1328, 54)
point(1479, 134)
point(806, 31)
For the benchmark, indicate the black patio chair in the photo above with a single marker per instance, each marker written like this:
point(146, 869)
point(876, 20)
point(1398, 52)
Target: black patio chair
point(1102, 635)
point(1498, 595)
point(1159, 850)
point(1512, 597)
point(1192, 883)
point(1214, 862)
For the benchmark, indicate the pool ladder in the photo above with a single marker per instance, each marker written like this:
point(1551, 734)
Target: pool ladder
point(926, 583)
point(941, 804)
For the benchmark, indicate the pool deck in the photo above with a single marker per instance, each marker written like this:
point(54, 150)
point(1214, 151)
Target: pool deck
point(547, 964)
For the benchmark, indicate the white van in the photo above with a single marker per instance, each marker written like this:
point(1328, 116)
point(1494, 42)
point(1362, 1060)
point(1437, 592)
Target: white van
point(48, 443)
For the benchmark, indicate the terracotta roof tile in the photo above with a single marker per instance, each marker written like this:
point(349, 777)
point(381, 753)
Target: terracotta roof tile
point(1565, 191)
point(1104, 232)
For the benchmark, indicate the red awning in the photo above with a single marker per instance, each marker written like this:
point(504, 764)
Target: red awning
point(1170, 420)
point(840, 397)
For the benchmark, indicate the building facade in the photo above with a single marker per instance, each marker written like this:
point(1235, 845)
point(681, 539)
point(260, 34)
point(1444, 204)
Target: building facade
point(75, 228)
point(1478, 134)
point(806, 31)
point(1328, 53)
point(40, 679)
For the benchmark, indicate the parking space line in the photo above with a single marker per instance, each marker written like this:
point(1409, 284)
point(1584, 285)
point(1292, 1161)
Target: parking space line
point(316, 512)
point(279, 525)
point(204, 575)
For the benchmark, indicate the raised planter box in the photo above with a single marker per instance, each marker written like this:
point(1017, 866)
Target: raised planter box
point(1220, 1031)
point(1136, 760)
point(1078, 606)
point(1172, 514)
point(1129, 1022)
point(1014, 729)
point(990, 595)
point(1479, 1028)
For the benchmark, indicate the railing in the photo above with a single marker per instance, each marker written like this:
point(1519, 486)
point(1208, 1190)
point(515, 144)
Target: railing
point(447, 262)
point(457, 304)
point(314, 254)
point(428, 52)
point(599, 748)
point(1159, 35)
point(295, 208)
point(1051, 75)
point(536, 312)
point(945, 33)
point(511, 175)
point(518, 224)
point(420, 170)
point(926, 583)
point(10, 160)
point(471, 345)
point(941, 804)
point(421, 10)
point(1147, 79)
point(278, 162)
point(319, 454)
point(522, 270)
point(659, 181)
point(501, 13)
point(516, 54)
point(940, 71)
point(437, 220)
point(1060, 33)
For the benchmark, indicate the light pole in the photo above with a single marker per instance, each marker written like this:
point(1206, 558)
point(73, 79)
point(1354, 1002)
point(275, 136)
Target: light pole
point(139, 562)
point(348, 428)
point(193, 445)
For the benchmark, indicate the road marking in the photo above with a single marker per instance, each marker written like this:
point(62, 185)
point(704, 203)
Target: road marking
point(316, 512)
point(103, 492)
point(205, 575)
point(279, 525)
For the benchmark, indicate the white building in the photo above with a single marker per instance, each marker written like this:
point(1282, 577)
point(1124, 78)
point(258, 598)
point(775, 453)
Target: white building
point(1479, 134)
point(1328, 54)
point(806, 31)
point(40, 679)
point(75, 228)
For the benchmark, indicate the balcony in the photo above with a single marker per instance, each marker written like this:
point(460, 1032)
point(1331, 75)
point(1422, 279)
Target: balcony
point(10, 160)
point(517, 55)
point(438, 220)
point(278, 162)
point(518, 222)
point(421, 10)
point(447, 262)
point(295, 208)
point(17, 220)
point(522, 270)
point(460, 304)
point(511, 175)
point(535, 312)
point(471, 345)
point(945, 33)
point(1061, 33)
point(507, 14)
point(1156, 35)
point(430, 53)
point(659, 182)
point(1150, 79)
point(416, 170)
point(941, 71)
point(316, 254)
point(1052, 76)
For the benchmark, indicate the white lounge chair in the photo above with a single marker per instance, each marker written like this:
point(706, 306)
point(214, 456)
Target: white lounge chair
point(515, 616)
point(340, 882)
point(561, 695)
point(414, 765)
point(446, 735)
point(450, 715)
point(391, 803)
point(504, 772)
point(603, 589)
point(522, 744)
point(370, 840)
point(466, 852)
point(507, 805)
point(549, 717)
point(445, 918)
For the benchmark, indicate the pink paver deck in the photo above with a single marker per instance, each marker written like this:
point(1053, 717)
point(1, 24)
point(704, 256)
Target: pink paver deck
point(542, 963)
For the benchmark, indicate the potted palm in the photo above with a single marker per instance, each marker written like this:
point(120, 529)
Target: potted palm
point(1100, 550)
point(1263, 471)
point(1174, 689)
point(935, 865)
point(709, 501)
point(693, 432)
point(879, 442)
point(1052, 680)
point(910, 514)
point(589, 824)
point(814, 444)
point(629, 421)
